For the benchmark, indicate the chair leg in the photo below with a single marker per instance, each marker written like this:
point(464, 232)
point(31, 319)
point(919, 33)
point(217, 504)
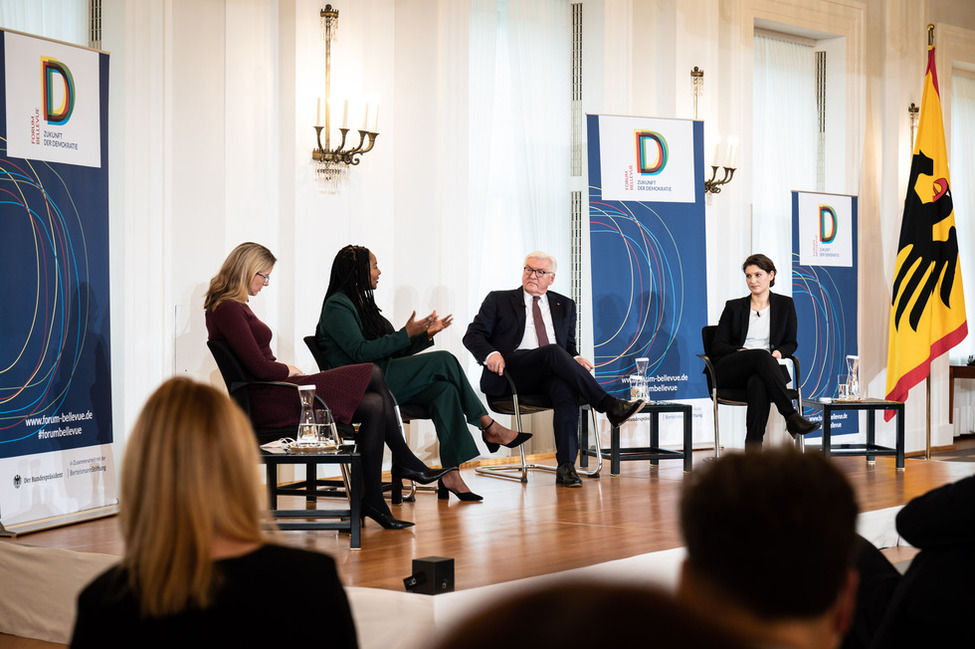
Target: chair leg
point(523, 467)
point(801, 439)
point(717, 438)
point(397, 497)
point(592, 473)
point(505, 471)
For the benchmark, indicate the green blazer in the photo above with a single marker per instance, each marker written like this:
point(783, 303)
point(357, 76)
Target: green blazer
point(340, 336)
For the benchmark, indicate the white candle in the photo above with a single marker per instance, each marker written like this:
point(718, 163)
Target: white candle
point(717, 147)
point(365, 117)
point(732, 152)
point(318, 113)
point(375, 118)
point(345, 114)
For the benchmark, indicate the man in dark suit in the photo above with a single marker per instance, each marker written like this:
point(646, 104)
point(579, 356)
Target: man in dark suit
point(541, 357)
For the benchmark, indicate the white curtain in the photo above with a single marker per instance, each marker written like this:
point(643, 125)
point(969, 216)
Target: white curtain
point(519, 139)
point(785, 144)
point(962, 169)
point(63, 20)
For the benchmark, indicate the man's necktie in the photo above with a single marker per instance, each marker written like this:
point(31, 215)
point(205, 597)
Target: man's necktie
point(539, 323)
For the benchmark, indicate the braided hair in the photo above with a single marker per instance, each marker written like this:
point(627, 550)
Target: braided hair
point(352, 276)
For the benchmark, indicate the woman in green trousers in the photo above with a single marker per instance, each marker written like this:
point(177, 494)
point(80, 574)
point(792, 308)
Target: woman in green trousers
point(351, 330)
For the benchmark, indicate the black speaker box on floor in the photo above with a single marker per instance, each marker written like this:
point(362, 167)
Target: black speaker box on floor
point(431, 575)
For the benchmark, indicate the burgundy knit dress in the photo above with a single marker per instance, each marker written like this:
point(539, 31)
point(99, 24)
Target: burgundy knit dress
point(234, 324)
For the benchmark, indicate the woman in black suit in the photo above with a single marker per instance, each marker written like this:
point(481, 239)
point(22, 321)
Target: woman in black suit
point(754, 332)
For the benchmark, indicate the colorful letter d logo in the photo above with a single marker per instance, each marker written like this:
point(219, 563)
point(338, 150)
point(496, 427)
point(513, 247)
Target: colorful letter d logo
point(827, 224)
point(59, 92)
point(651, 152)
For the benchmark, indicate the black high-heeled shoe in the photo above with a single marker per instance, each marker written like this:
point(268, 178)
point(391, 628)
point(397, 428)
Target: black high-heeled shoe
point(443, 492)
point(420, 477)
point(493, 447)
point(386, 521)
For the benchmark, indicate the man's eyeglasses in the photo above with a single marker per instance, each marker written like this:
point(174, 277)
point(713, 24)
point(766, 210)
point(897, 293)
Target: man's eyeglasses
point(536, 272)
point(267, 278)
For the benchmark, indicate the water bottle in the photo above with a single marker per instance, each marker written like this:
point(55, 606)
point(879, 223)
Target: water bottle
point(307, 426)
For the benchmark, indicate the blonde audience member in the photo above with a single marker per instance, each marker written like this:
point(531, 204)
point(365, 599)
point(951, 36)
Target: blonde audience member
point(198, 568)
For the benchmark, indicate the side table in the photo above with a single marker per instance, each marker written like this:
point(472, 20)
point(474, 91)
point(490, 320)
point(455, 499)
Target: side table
point(871, 448)
point(957, 372)
point(348, 518)
point(654, 453)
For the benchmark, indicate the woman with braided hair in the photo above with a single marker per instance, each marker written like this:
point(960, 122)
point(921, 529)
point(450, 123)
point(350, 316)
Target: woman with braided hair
point(353, 330)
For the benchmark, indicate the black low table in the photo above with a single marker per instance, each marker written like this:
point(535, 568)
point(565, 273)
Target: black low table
point(871, 449)
point(348, 517)
point(654, 453)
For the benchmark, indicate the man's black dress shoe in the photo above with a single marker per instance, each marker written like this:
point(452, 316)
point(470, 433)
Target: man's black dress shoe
point(619, 411)
point(796, 424)
point(566, 476)
point(427, 476)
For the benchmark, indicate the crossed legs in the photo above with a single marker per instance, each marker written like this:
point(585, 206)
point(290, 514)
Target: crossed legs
point(764, 380)
point(553, 372)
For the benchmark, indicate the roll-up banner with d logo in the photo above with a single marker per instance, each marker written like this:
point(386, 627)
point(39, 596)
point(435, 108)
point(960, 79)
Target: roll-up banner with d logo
point(56, 461)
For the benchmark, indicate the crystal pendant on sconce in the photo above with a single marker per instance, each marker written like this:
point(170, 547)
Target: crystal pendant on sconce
point(331, 176)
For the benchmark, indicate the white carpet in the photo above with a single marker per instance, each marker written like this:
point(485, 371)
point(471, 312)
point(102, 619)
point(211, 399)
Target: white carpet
point(40, 586)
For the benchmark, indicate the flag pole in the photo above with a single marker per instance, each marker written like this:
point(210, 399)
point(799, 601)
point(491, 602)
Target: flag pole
point(927, 422)
point(927, 383)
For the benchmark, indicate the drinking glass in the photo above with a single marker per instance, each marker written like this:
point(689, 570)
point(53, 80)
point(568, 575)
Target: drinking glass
point(638, 386)
point(328, 434)
point(842, 387)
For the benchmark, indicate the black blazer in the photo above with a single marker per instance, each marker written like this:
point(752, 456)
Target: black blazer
point(733, 326)
point(500, 325)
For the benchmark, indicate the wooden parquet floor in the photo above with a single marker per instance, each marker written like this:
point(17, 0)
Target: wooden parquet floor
point(533, 529)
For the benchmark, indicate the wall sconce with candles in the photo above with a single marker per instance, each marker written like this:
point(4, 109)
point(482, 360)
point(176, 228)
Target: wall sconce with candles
point(713, 186)
point(332, 165)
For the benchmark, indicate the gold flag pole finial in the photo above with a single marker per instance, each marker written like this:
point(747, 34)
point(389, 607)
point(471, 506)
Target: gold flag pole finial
point(930, 35)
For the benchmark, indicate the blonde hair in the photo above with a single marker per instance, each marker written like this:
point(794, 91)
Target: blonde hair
point(538, 254)
point(190, 473)
point(238, 269)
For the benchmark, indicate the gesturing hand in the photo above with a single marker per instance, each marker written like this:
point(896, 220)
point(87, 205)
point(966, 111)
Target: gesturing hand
point(439, 324)
point(416, 327)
